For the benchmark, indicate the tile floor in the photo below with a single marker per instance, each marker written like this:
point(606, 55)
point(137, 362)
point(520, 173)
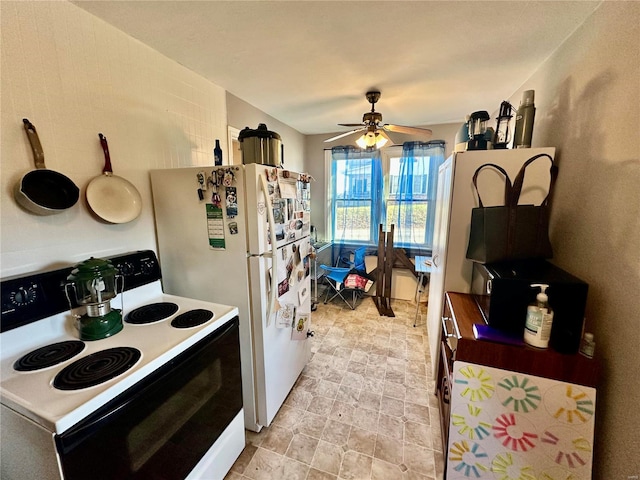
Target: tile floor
point(362, 408)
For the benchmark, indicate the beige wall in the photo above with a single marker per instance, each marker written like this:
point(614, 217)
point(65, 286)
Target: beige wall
point(314, 156)
point(588, 103)
point(73, 75)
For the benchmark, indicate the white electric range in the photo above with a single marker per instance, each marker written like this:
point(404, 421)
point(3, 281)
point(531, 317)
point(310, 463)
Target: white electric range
point(160, 397)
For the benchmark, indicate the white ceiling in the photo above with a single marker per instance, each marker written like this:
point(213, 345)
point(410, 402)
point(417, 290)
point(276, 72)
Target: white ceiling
point(309, 63)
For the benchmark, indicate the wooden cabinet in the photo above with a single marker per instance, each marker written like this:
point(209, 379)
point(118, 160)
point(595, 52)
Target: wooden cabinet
point(458, 343)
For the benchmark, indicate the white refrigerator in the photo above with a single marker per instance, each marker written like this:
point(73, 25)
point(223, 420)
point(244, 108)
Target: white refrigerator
point(215, 229)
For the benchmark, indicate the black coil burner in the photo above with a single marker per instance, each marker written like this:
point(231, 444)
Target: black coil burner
point(192, 318)
point(96, 368)
point(154, 312)
point(48, 356)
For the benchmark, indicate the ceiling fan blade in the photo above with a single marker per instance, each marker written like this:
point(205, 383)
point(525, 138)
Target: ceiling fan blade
point(351, 124)
point(381, 132)
point(344, 134)
point(407, 130)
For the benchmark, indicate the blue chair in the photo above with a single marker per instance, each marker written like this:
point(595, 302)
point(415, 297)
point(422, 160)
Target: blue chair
point(334, 278)
point(358, 259)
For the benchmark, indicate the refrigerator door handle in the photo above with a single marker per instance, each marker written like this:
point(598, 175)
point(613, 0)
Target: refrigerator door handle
point(272, 254)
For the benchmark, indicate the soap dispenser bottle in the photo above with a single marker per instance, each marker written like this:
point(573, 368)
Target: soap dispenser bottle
point(537, 330)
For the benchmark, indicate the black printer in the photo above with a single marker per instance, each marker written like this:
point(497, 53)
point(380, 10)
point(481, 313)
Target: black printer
point(503, 291)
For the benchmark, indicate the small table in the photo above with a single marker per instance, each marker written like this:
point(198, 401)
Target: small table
point(422, 266)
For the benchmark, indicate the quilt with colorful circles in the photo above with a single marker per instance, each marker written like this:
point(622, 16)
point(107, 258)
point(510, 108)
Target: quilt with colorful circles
point(511, 426)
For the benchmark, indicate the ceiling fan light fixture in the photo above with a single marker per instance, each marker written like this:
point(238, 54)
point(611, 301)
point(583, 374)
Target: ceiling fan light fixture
point(362, 142)
point(371, 140)
point(381, 142)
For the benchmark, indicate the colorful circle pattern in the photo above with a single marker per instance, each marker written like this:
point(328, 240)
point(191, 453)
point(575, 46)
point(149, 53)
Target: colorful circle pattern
point(469, 459)
point(519, 394)
point(569, 404)
point(505, 467)
point(566, 447)
point(515, 432)
point(477, 383)
point(471, 422)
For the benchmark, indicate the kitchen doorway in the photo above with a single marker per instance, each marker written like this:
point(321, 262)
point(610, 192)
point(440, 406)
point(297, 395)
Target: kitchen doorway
point(235, 153)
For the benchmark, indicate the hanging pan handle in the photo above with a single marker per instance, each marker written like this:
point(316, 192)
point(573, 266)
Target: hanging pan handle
point(36, 146)
point(107, 158)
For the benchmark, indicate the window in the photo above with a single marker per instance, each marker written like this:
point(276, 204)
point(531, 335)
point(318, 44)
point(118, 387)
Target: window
point(355, 186)
point(396, 186)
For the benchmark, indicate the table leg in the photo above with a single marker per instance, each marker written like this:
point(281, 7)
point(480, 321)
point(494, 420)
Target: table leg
point(417, 296)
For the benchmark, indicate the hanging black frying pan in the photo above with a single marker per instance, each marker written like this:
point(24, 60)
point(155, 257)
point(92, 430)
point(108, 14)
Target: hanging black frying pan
point(112, 198)
point(42, 191)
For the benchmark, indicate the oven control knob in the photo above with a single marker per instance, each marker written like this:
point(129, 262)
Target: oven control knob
point(125, 268)
point(24, 296)
point(147, 267)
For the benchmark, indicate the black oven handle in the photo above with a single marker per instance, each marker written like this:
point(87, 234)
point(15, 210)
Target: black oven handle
point(68, 440)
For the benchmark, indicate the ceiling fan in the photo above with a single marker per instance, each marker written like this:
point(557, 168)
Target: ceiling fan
point(374, 129)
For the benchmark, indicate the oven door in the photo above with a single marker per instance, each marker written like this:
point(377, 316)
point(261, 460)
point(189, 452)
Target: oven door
point(161, 427)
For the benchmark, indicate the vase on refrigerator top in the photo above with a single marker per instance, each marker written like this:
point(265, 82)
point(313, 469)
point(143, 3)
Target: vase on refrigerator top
point(261, 145)
point(502, 136)
point(524, 121)
point(462, 137)
point(478, 130)
point(217, 153)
